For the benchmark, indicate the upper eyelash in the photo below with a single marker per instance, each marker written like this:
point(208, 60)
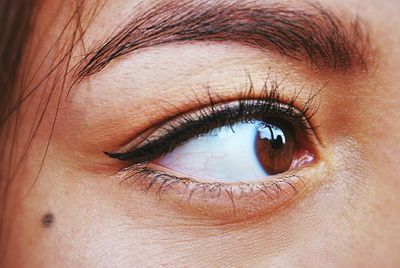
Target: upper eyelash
point(270, 102)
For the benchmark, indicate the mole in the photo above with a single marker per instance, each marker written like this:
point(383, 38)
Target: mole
point(47, 220)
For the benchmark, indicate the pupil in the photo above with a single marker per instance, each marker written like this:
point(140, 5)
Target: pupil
point(277, 143)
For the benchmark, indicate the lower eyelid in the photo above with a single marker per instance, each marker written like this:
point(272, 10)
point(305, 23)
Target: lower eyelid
point(224, 203)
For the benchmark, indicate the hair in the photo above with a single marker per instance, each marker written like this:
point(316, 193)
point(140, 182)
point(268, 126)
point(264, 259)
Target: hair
point(16, 19)
point(16, 22)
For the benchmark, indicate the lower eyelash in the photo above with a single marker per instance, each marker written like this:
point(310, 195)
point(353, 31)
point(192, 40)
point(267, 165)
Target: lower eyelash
point(148, 179)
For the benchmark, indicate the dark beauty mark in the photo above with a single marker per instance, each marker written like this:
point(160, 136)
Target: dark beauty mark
point(48, 220)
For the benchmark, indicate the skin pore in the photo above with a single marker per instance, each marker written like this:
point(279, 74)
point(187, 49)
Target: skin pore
point(74, 208)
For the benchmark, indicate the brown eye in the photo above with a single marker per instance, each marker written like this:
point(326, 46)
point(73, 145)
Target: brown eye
point(275, 147)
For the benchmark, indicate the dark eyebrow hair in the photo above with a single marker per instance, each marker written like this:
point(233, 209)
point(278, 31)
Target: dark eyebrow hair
point(311, 33)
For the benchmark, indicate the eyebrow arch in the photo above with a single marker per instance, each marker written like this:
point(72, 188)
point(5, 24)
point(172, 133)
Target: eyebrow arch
point(310, 34)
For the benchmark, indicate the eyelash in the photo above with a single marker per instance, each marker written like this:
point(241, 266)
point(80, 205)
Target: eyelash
point(269, 103)
point(219, 113)
point(149, 178)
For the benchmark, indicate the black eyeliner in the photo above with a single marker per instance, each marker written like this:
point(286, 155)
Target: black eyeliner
point(185, 127)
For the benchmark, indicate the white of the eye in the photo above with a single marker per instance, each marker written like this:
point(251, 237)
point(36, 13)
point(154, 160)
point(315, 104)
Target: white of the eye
point(226, 154)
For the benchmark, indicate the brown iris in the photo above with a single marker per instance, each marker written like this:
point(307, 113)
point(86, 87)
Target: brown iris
point(275, 146)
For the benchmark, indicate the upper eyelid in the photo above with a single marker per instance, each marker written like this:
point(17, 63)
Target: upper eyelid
point(206, 112)
point(128, 151)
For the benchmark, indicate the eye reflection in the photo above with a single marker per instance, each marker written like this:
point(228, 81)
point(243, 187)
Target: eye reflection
point(241, 152)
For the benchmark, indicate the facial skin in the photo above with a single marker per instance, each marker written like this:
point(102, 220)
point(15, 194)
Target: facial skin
point(78, 213)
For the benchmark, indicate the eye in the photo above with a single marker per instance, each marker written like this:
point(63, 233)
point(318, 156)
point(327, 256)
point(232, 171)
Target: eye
point(243, 152)
point(239, 157)
point(228, 142)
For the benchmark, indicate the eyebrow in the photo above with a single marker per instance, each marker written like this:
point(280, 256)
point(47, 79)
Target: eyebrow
point(310, 34)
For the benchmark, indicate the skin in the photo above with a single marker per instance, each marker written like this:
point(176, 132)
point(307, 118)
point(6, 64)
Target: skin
point(346, 216)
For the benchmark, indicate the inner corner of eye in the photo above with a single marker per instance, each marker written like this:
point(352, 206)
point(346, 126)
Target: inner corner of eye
point(245, 151)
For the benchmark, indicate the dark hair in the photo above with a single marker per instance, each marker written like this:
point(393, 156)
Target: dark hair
point(16, 21)
point(15, 25)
